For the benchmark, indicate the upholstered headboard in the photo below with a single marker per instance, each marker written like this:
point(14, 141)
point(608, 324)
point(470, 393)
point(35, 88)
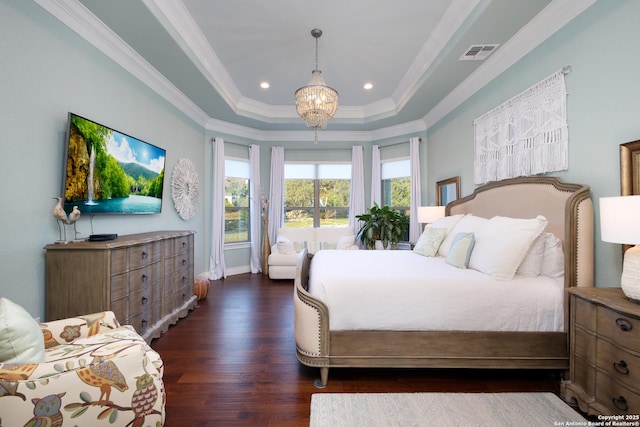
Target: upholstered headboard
point(567, 207)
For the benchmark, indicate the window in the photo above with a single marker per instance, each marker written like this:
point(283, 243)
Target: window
point(236, 201)
point(316, 195)
point(396, 186)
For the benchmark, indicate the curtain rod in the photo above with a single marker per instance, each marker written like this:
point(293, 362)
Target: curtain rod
point(234, 143)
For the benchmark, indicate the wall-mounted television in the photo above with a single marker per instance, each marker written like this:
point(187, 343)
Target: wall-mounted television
point(110, 172)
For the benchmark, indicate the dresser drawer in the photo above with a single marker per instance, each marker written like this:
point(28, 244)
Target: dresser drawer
point(618, 364)
point(142, 277)
point(615, 396)
point(119, 286)
point(620, 328)
point(179, 245)
point(142, 255)
point(584, 313)
point(119, 308)
point(118, 261)
point(144, 320)
point(141, 300)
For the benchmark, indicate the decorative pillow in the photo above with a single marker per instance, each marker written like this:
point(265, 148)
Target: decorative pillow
point(285, 246)
point(429, 241)
point(460, 250)
point(553, 259)
point(447, 222)
point(502, 244)
point(21, 339)
point(345, 242)
point(531, 265)
point(468, 224)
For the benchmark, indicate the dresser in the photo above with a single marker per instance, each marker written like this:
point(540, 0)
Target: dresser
point(146, 279)
point(604, 353)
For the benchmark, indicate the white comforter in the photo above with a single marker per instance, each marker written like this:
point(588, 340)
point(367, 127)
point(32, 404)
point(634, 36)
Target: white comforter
point(400, 290)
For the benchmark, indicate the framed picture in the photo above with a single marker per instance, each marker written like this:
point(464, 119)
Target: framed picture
point(447, 191)
point(629, 172)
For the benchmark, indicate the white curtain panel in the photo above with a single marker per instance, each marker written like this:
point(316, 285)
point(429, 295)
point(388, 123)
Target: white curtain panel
point(357, 185)
point(276, 199)
point(526, 135)
point(376, 190)
point(414, 156)
point(255, 265)
point(216, 262)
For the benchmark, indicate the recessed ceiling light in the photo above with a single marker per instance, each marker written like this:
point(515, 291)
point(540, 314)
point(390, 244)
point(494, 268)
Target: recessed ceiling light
point(264, 85)
point(368, 86)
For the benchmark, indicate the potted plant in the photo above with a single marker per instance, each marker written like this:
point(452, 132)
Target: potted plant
point(383, 224)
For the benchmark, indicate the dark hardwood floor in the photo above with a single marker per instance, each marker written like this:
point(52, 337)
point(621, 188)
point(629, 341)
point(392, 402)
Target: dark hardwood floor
point(232, 362)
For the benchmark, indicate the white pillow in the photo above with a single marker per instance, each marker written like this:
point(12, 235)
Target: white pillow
point(21, 339)
point(468, 224)
point(502, 244)
point(461, 249)
point(553, 259)
point(345, 242)
point(429, 241)
point(285, 246)
point(531, 265)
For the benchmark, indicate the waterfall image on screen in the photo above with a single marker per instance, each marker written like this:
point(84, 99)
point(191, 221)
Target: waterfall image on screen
point(109, 172)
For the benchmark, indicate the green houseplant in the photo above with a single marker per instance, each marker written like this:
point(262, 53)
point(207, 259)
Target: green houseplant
point(381, 223)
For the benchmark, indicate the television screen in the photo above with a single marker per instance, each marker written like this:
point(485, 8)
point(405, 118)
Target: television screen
point(109, 172)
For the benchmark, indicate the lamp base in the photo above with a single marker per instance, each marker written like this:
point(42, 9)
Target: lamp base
point(630, 281)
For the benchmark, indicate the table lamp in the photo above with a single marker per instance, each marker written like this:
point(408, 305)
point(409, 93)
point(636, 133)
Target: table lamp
point(429, 214)
point(620, 223)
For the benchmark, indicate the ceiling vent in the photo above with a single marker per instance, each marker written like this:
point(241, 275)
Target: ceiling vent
point(478, 52)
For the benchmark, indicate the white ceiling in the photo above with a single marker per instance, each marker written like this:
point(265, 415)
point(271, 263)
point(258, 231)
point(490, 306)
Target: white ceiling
point(208, 57)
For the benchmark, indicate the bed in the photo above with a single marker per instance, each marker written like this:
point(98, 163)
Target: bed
point(324, 339)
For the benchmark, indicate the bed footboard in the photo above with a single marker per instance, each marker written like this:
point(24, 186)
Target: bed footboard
point(311, 322)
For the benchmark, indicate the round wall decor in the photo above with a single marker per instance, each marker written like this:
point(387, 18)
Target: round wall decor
point(184, 188)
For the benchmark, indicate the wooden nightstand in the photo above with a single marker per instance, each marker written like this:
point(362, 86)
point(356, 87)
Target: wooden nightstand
point(604, 351)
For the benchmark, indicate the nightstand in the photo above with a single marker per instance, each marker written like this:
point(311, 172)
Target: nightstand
point(604, 352)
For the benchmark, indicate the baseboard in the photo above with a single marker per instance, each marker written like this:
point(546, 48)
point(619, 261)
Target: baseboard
point(232, 271)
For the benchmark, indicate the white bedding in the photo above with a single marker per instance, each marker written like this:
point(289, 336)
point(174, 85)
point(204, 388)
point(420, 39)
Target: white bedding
point(400, 290)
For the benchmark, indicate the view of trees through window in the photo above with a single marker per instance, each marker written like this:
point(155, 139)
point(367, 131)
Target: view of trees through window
point(236, 202)
point(396, 187)
point(317, 195)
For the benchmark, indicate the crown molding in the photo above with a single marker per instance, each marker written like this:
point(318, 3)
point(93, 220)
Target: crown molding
point(455, 15)
point(408, 128)
point(78, 18)
point(550, 19)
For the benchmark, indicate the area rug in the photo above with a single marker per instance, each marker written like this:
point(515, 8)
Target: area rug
point(441, 409)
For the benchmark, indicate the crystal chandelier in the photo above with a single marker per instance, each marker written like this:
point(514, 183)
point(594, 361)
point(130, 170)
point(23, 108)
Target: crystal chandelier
point(316, 103)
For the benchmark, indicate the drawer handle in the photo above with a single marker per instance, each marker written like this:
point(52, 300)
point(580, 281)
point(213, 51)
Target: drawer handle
point(184, 244)
point(144, 300)
point(621, 367)
point(624, 324)
point(184, 279)
point(145, 255)
point(621, 403)
point(144, 278)
point(144, 323)
point(184, 262)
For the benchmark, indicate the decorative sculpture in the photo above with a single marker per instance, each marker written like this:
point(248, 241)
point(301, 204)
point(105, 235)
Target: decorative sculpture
point(62, 219)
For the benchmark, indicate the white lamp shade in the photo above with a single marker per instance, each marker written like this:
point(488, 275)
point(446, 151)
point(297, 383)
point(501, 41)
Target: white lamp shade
point(620, 219)
point(429, 214)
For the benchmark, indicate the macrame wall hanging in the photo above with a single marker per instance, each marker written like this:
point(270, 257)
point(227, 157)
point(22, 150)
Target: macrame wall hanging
point(185, 188)
point(526, 135)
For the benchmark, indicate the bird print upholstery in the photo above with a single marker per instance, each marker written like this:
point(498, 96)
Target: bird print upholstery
point(96, 372)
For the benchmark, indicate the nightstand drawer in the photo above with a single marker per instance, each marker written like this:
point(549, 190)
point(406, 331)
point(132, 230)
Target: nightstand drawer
point(616, 397)
point(584, 345)
point(585, 313)
point(620, 328)
point(618, 364)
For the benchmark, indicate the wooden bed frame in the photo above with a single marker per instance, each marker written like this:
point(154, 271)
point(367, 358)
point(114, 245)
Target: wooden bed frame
point(569, 210)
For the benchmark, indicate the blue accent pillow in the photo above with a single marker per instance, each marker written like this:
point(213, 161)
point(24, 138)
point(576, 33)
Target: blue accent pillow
point(460, 250)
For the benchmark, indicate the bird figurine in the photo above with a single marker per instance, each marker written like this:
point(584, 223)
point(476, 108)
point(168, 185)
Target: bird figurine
point(61, 217)
point(73, 217)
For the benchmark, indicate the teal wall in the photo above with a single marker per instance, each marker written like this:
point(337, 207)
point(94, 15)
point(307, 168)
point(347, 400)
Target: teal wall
point(603, 109)
point(47, 70)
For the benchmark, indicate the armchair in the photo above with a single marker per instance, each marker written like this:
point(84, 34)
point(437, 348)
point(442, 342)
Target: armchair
point(95, 372)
